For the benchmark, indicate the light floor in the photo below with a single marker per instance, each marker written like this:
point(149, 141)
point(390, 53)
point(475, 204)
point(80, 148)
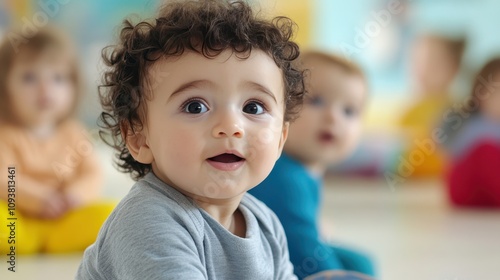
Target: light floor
point(410, 231)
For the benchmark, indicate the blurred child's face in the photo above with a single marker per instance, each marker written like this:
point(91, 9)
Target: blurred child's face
point(40, 90)
point(434, 65)
point(490, 106)
point(214, 126)
point(329, 125)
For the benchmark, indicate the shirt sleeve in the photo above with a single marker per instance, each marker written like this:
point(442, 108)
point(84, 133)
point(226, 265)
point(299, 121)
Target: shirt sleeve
point(285, 268)
point(6, 159)
point(147, 244)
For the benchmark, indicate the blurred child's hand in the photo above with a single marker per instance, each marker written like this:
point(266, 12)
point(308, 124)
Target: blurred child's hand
point(72, 200)
point(53, 205)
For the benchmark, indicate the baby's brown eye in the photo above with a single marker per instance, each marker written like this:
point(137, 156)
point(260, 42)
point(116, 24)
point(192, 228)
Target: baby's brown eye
point(315, 101)
point(29, 77)
point(195, 107)
point(350, 112)
point(253, 108)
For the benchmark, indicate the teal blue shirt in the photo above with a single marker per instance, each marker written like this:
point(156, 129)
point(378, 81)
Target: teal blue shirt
point(294, 194)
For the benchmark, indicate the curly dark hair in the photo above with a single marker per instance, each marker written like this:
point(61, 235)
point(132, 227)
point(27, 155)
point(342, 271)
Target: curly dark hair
point(207, 27)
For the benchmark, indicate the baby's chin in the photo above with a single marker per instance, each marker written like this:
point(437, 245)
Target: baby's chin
point(39, 120)
point(222, 190)
point(494, 116)
point(331, 156)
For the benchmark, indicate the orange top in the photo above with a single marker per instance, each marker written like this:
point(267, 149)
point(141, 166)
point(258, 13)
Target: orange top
point(64, 161)
point(419, 122)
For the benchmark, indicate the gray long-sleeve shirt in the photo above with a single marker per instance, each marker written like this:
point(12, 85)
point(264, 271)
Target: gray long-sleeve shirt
point(156, 232)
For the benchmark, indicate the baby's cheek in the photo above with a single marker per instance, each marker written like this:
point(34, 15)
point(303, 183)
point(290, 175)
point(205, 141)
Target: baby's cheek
point(68, 94)
point(182, 153)
point(173, 148)
point(353, 137)
point(262, 168)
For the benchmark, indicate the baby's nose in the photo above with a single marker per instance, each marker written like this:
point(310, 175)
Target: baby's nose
point(228, 125)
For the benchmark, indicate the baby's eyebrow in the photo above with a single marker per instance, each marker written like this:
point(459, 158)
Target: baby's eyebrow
point(261, 88)
point(197, 84)
point(191, 85)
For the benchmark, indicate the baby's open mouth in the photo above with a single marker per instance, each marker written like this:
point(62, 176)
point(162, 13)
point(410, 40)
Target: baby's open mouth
point(326, 137)
point(226, 162)
point(226, 158)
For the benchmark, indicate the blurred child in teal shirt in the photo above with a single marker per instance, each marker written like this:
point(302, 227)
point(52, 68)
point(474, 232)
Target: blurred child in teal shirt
point(326, 132)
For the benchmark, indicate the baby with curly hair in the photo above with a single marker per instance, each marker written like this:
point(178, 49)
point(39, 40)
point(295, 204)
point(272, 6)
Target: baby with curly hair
point(198, 104)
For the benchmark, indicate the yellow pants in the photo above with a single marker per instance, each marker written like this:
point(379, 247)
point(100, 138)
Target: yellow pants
point(76, 230)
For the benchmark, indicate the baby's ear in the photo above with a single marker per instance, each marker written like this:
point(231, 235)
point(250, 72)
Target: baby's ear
point(137, 144)
point(284, 135)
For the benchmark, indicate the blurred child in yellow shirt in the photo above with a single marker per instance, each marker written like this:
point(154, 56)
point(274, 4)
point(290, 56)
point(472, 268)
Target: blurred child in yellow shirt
point(435, 63)
point(55, 176)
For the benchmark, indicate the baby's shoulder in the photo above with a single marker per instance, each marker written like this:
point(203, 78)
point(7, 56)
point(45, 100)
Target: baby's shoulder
point(73, 130)
point(150, 206)
point(13, 140)
point(10, 133)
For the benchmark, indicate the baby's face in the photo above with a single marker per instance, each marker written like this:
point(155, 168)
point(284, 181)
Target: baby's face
point(329, 125)
point(490, 106)
point(433, 65)
point(214, 126)
point(40, 91)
